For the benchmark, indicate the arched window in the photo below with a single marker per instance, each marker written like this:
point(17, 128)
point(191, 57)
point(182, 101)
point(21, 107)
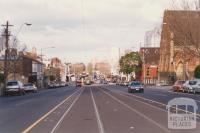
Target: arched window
point(179, 70)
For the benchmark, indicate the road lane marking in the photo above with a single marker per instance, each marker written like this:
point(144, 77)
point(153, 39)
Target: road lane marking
point(100, 125)
point(47, 114)
point(65, 114)
point(158, 94)
point(144, 103)
point(185, 94)
point(159, 103)
point(139, 113)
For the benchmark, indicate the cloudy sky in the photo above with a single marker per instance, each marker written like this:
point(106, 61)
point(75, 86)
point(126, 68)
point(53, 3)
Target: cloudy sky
point(82, 29)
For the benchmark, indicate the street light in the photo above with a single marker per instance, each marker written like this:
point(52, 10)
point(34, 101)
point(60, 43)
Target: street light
point(20, 28)
point(45, 49)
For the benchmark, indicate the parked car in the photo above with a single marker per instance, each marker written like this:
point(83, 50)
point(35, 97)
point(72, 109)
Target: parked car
point(178, 85)
point(135, 86)
point(62, 84)
point(188, 86)
point(29, 87)
point(126, 83)
point(196, 87)
point(51, 85)
point(15, 87)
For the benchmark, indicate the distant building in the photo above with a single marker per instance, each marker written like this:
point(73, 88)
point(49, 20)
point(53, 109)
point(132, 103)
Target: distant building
point(57, 69)
point(78, 68)
point(103, 67)
point(148, 39)
point(55, 62)
point(114, 60)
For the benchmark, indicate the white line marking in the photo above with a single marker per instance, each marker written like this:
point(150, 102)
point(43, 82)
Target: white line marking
point(139, 113)
point(159, 103)
point(155, 107)
point(100, 125)
point(47, 114)
point(63, 116)
point(158, 94)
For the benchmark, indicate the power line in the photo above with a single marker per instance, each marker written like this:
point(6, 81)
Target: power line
point(7, 35)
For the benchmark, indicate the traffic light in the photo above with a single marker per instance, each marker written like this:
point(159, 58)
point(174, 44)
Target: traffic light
point(148, 71)
point(157, 70)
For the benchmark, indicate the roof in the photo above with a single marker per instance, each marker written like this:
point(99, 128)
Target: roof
point(151, 55)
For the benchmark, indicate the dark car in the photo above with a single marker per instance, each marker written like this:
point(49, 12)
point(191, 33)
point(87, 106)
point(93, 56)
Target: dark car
point(178, 85)
point(135, 86)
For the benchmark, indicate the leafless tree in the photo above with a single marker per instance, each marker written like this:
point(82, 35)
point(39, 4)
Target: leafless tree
point(182, 22)
point(15, 47)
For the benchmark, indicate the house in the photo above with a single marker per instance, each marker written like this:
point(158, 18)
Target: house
point(25, 68)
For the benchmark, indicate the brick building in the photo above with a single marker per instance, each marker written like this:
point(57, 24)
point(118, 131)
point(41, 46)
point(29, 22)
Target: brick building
point(150, 56)
point(177, 59)
point(24, 67)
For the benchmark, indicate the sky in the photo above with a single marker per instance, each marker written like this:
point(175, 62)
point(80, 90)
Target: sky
point(81, 30)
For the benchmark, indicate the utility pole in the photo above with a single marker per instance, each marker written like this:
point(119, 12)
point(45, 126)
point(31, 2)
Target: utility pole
point(144, 69)
point(7, 35)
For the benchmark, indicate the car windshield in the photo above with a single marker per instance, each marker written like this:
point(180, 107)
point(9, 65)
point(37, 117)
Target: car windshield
point(28, 85)
point(180, 82)
point(192, 82)
point(135, 83)
point(12, 83)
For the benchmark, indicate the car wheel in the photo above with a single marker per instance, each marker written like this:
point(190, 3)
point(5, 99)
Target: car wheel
point(20, 93)
point(129, 91)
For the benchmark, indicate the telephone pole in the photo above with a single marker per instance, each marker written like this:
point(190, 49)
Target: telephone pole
point(7, 35)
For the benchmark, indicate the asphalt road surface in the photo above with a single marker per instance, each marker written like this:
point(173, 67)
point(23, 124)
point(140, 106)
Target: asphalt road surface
point(91, 109)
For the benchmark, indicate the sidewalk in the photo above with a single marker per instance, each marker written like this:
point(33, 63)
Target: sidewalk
point(160, 87)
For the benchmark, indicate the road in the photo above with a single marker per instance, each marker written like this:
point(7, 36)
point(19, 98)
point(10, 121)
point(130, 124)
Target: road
point(90, 109)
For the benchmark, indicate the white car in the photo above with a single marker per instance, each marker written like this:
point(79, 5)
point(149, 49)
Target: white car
point(196, 87)
point(15, 87)
point(189, 85)
point(29, 87)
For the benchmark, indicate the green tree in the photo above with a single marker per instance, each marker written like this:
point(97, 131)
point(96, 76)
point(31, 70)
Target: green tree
point(197, 72)
point(130, 62)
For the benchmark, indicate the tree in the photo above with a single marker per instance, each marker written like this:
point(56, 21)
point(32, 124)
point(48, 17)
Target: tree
point(1, 78)
point(197, 72)
point(185, 26)
point(130, 62)
point(183, 30)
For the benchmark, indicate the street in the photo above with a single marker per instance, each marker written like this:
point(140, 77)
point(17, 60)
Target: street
point(90, 109)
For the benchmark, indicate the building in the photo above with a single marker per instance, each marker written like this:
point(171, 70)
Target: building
point(78, 68)
point(114, 60)
point(150, 57)
point(24, 67)
point(103, 67)
point(177, 59)
point(56, 69)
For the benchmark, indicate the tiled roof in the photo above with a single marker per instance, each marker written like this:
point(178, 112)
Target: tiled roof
point(151, 55)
